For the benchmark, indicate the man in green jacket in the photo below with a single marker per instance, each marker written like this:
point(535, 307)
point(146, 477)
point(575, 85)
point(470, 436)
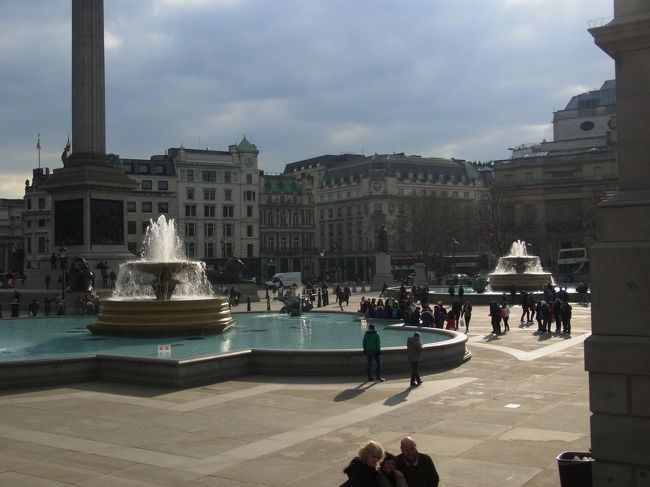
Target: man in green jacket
point(372, 349)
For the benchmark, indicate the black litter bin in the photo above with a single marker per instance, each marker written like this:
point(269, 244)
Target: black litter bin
point(15, 310)
point(575, 468)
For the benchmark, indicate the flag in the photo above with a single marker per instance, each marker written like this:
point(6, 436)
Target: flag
point(66, 151)
point(38, 144)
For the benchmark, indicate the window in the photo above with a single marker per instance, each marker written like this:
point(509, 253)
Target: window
point(131, 207)
point(41, 222)
point(127, 166)
point(249, 230)
point(296, 243)
point(189, 229)
point(29, 203)
point(147, 207)
point(270, 243)
point(190, 193)
point(145, 225)
point(146, 184)
point(227, 194)
point(163, 207)
point(249, 179)
point(209, 211)
point(209, 176)
point(249, 211)
point(131, 228)
point(163, 185)
point(41, 245)
point(208, 230)
point(143, 169)
point(159, 169)
point(295, 220)
point(587, 125)
point(227, 229)
point(209, 194)
point(249, 195)
point(189, 250)
point(227, 177)
point(187, 175)
point(283, 244)
point(269, 220)
point(228, 211)
point(190, 210)
point(41, 203)
point(249, 250)
point(208, 249)
point(283, 220)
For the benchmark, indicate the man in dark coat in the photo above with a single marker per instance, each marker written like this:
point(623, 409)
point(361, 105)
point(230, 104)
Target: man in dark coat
point(417, 467)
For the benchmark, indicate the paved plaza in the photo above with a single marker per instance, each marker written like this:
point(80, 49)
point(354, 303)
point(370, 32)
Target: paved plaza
point(498, 420)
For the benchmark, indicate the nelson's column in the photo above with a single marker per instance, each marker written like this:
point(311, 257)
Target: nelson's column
point(88, 193)
point(617, 355)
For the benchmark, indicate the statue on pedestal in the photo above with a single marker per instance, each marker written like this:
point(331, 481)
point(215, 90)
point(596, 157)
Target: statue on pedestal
point(382, 240)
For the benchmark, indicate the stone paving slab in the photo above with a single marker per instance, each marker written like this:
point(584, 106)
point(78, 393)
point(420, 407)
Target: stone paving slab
point(498, 420)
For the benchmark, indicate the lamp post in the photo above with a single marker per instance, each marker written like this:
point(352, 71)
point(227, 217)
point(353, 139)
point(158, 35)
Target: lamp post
point(63, 259)
point(321, 252)
point(454, 243)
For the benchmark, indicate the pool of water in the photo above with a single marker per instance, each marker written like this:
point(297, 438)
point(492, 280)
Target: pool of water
point(40, 338)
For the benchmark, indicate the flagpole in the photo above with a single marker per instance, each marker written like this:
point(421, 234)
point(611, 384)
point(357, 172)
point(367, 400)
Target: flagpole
point(38, 146)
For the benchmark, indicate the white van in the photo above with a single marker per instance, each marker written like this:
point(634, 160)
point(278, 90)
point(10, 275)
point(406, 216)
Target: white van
point(284, 279)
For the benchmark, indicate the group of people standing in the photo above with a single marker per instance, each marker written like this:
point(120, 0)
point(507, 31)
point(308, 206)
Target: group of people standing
point(375, 467)
point(554, 308)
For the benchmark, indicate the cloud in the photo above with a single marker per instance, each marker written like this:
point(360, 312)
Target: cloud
point(466, 79)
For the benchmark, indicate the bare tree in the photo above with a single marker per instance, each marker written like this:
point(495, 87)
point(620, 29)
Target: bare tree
point(495, 221)
point(428, 226)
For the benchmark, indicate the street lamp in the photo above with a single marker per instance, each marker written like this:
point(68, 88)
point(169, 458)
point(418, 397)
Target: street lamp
point(454, 243)
point(322, 262)
point(63, 259)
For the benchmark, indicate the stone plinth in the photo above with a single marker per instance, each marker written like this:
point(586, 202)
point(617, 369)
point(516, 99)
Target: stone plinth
point(420, 274)
point(616, 353)
point(383, 274)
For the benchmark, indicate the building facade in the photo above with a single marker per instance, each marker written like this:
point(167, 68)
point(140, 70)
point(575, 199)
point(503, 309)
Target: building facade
point(355, 195)
point(218, 203)
point(287, 232)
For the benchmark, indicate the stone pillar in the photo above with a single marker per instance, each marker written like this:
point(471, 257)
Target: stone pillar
point(617, 355)
point(88, 82)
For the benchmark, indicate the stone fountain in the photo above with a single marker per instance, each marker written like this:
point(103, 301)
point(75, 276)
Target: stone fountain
point(520, 270)
point(163, 293)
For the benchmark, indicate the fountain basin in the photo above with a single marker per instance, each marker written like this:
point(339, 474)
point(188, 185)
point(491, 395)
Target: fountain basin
point(521, 282)
point(260, 344)
point(154, 318)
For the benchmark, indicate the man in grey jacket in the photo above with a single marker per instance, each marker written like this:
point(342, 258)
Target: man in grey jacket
point(413, 352)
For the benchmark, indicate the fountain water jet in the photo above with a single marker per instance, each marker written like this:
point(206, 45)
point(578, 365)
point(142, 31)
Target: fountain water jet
point(520, 270)
point(163, 293)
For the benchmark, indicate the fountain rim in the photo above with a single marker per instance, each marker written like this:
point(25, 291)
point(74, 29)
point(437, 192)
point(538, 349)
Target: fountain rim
point(206, 369)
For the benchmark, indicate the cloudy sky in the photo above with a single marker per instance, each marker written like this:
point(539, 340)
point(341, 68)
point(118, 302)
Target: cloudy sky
point(301, 78)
